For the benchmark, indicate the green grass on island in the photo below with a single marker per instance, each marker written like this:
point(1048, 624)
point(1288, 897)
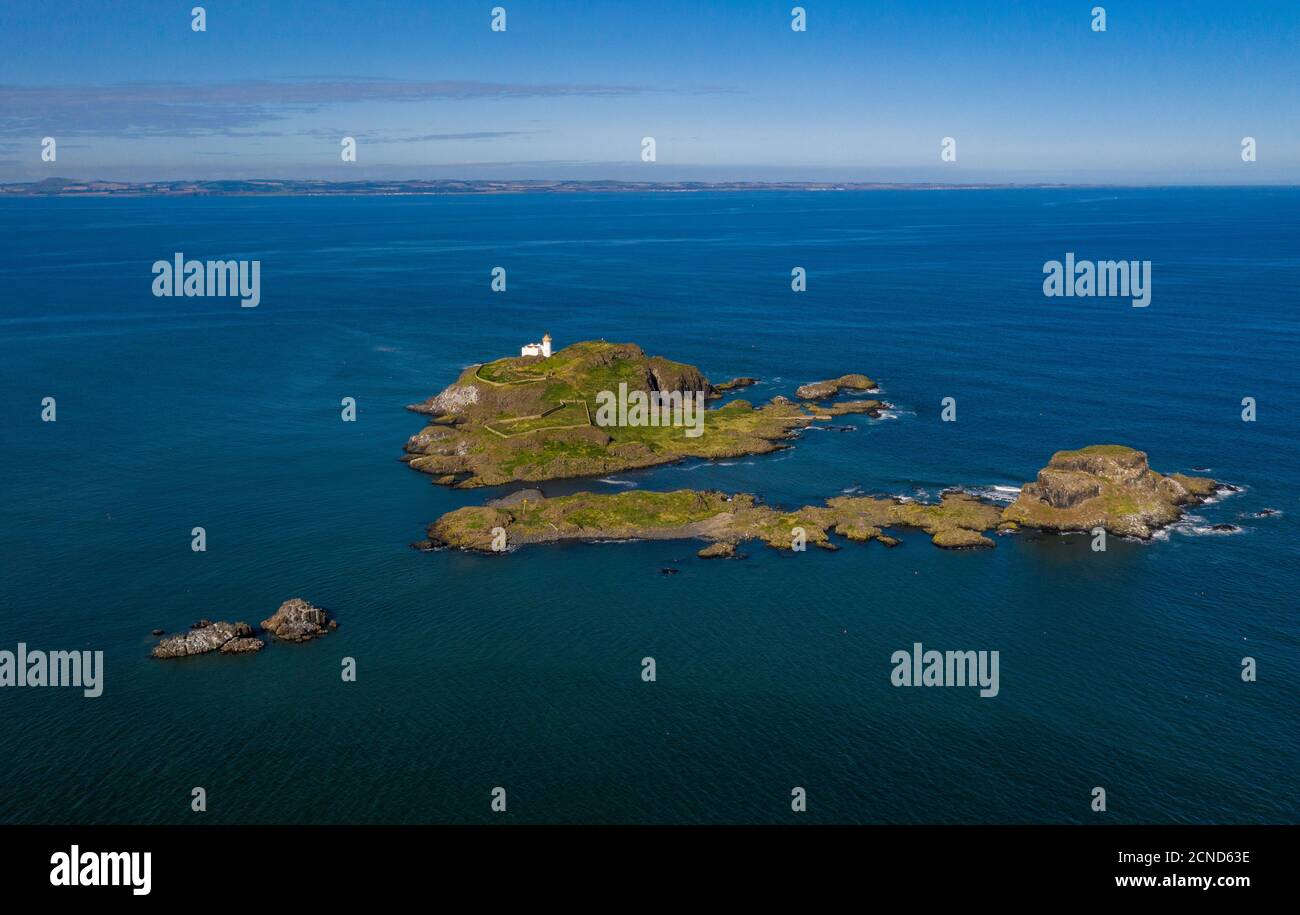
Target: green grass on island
point(529, 418)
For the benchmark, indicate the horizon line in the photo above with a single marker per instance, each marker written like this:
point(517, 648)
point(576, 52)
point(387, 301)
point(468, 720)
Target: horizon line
point(279, 186)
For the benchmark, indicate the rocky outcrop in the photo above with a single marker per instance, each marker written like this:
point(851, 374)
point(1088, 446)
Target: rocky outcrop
point(957, 538)
point(872, 408)
point(1105, 486)
point(209, 637)
point(820, 390)
point(243, 645)
point(298, 621)
point(734, 384)
point(455, 398)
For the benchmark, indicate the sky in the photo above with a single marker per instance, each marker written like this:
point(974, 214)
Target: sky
point(1029, 91)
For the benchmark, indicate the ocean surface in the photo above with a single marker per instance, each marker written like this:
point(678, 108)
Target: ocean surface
point(1119, 669)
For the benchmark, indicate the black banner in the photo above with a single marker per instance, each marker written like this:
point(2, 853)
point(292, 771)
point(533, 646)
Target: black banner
point(331, 863)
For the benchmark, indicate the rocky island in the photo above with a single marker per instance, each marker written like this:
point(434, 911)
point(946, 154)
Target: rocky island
point(820, 390)
point(533, 418)
point(205, 636)
point(724, 520)
point(1109, 486)
point(1106, 486)
point(295, 621)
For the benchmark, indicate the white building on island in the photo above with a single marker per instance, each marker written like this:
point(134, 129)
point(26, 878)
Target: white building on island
point(542, 349)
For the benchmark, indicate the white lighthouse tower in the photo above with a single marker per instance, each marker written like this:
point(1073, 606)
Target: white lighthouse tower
point(542, 349)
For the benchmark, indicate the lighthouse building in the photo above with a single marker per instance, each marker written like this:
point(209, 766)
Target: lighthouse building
point(542, 349)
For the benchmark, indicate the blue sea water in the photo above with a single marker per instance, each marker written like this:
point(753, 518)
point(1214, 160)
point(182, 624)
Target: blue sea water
point(1118, 669)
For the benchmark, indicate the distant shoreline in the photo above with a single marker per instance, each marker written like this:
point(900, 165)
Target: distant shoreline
point(272, 187)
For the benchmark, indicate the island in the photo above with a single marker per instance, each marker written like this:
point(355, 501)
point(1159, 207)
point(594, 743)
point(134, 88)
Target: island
point(820, 390)
point(1100, 486)
point(295, 620)
point(1106, 486)
point(537, 417)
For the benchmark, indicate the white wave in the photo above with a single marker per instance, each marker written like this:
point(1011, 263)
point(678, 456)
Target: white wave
point(849, 489)
point(994, 493)
point(1196, 526)
point(613, 482)
point(1223, 492)
point(1207, 530)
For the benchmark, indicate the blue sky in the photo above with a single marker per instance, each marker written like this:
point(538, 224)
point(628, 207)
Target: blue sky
point(729, 92)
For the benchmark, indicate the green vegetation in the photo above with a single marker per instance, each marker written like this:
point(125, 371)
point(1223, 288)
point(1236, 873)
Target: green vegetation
point(1114, 489)
point(532, 419)
point(955, 521)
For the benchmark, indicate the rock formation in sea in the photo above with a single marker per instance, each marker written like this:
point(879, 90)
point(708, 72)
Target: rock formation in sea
point(228, 638)
point(298, 621)
point(820, 390)
point(1106, 486)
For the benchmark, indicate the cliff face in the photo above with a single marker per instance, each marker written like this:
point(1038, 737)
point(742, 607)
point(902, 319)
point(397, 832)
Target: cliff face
point(1107, 486)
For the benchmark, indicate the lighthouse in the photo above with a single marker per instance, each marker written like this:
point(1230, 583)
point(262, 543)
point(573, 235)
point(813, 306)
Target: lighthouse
point(542, 349)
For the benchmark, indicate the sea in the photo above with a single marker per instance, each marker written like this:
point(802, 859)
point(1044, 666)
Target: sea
point(1120, 669)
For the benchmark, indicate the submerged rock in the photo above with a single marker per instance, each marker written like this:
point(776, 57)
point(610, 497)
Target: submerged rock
point(298, 621)
point(205, 638)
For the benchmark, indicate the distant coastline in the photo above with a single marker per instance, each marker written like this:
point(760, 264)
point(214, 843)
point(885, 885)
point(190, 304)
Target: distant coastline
point(70, 187)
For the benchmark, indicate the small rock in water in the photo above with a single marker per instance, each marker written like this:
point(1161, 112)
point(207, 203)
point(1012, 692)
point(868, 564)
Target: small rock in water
point(668, 571)
point(158, 632)
point(1225, 528)
point(297, 621)
point(202, 639)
